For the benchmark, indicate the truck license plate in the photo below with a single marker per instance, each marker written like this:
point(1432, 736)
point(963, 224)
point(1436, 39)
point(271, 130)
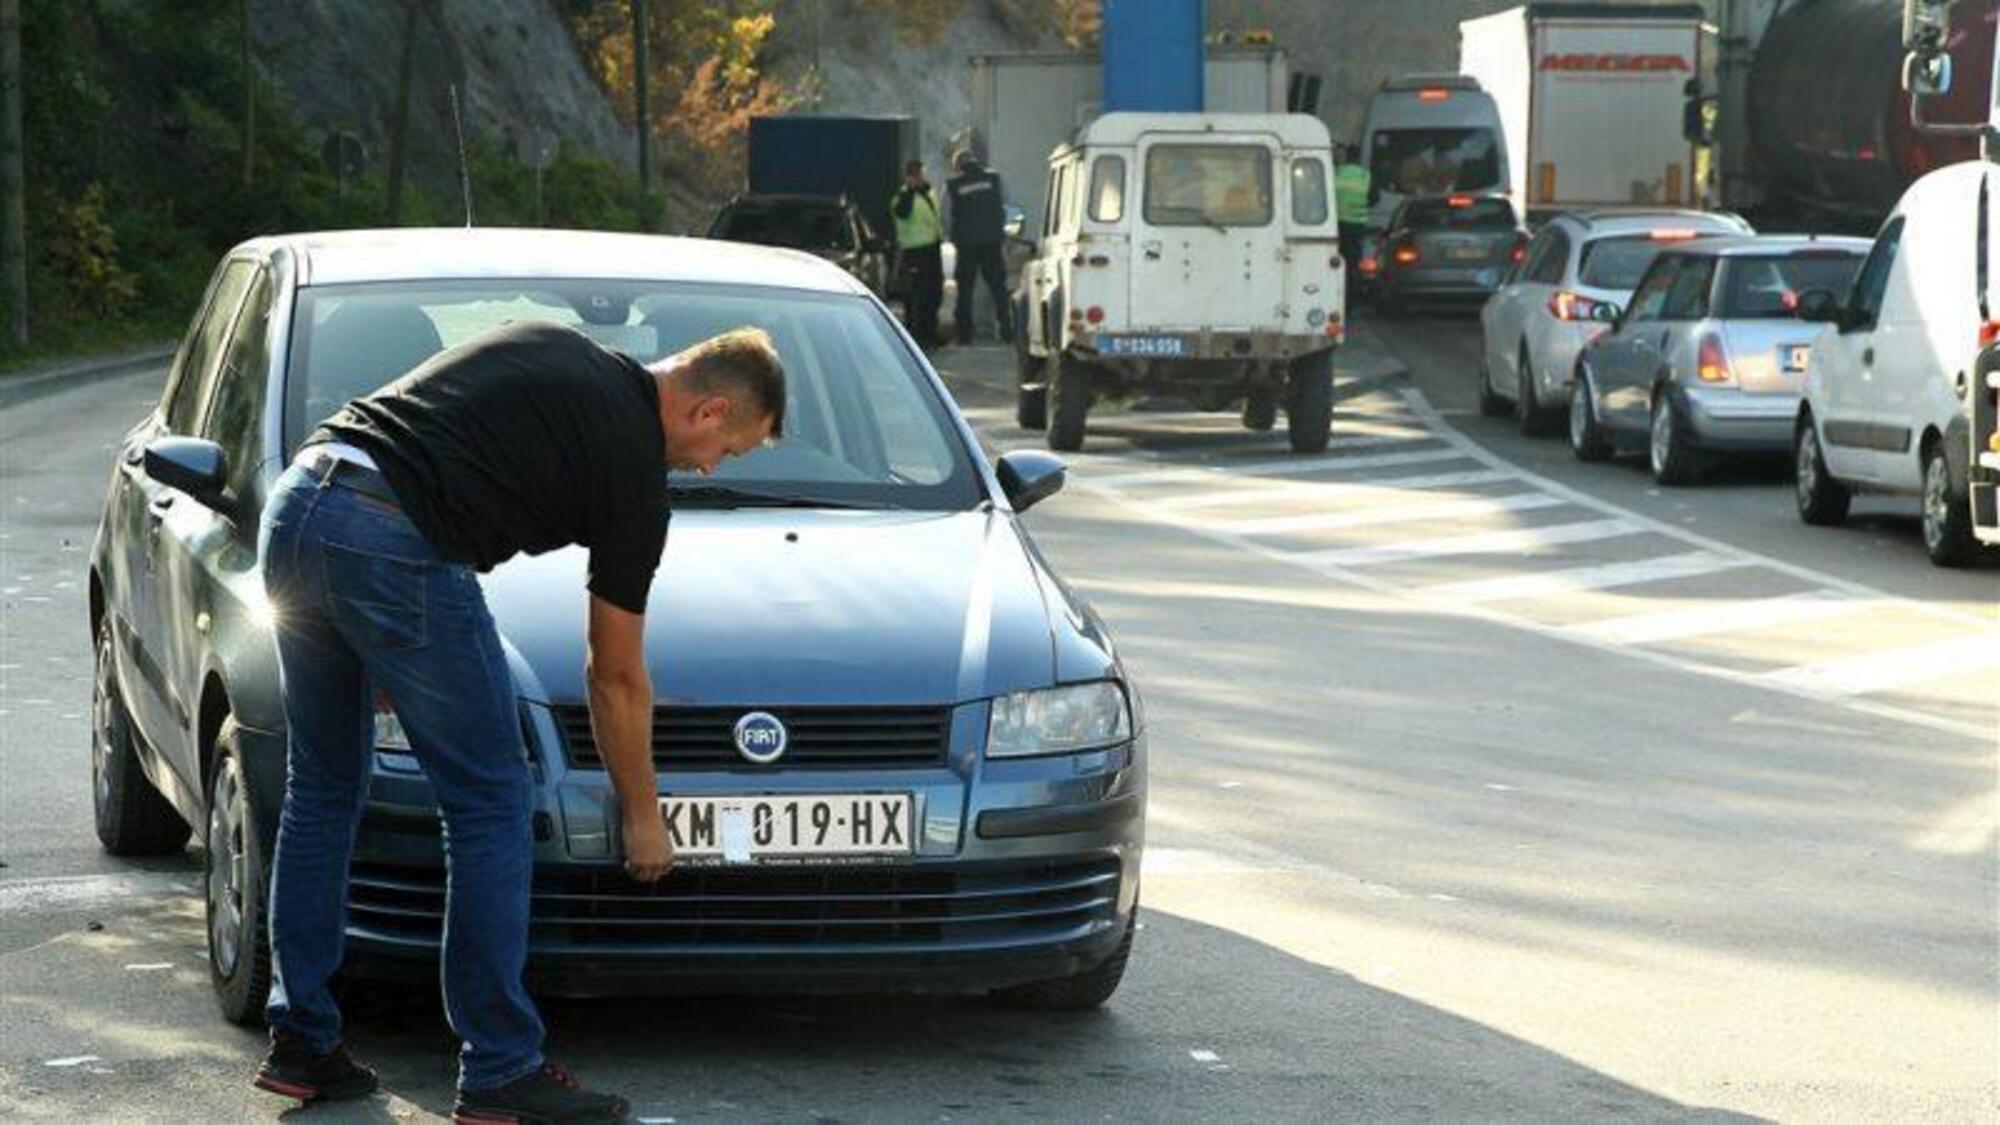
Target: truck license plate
point(747, 829)
point(1149, 346)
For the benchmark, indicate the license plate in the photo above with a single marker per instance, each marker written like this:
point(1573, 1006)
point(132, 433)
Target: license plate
point(1143, 345)
point(1466, 253)
point(748, 829)
point(1797, 356)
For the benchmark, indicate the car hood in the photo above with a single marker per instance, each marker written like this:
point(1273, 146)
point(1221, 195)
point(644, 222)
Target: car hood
point(817, 607)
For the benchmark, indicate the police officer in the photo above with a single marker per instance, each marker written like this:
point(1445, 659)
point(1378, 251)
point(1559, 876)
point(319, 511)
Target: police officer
point(1350, 193)
point(978, 223)
point(919, 239)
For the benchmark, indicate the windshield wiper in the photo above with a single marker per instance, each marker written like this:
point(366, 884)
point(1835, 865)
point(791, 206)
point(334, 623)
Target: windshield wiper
point(717, 495)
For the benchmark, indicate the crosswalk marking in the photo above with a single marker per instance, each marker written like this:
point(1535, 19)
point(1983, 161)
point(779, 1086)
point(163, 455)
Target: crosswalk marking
point(1885, 669)
point(1285, 467)
point(1578, 579)
point(1686, 622)
point(1334, 490)
point(1518, 541)
point(1471, 507)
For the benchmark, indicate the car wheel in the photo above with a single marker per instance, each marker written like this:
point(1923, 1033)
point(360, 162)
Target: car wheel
point(1823, 501)
point(1586, 437)
point(1490, 404)
point(1529, 414)
point(237, 878)
point(1948, 537)
point(1672, 459)
point(1309, 402)
point(1260, 408)
point(133, 817)
point(1031, 407)
point(1080, 991)
point(1069, 404)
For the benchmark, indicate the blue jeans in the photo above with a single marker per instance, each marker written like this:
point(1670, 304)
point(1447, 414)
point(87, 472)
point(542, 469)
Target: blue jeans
point(364, 604)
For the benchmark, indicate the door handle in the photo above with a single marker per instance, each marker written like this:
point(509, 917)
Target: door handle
point(159, 507)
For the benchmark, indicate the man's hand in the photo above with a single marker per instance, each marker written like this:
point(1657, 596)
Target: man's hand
point(648, 852)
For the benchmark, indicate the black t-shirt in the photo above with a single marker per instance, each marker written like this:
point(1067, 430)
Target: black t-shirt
point(528, 438)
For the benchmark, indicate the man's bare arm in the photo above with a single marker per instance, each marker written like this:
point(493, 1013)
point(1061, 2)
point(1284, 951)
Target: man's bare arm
point(621, 717)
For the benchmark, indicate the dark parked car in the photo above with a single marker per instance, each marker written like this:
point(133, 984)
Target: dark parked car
point(830, 226)
point(853, 636)
point(1446, 247)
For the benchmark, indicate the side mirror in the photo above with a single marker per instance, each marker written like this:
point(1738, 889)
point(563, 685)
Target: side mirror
point(1606, 313)
point(191, 465)
point(1818, 306)
point(1030, 476)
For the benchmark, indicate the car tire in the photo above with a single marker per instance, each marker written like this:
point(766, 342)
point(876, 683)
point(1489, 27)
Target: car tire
point(1530, 416)
point(133, 818)
point(1068, 404)
point(1673, 460)
point(1586, 436)
point(1260, 408)
point(1823, 501)
point(1031, 407)
point(1947, 525)
point(1079, 991)
point(1490, 403)
point(1309, 402)
point(236, 880)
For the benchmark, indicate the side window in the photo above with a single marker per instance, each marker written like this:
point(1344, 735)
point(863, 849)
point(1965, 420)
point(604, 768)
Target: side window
point(1688, 299)
point(192, 375)
point(1050, 211)
point(238, 403)
point(1309, 207)
point(1650, 298)
point(1107, 189)
point(1553, 262)
point(1864, 302)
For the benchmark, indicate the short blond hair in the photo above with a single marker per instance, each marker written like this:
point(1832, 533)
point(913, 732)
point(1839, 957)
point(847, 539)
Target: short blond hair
point(743, 365)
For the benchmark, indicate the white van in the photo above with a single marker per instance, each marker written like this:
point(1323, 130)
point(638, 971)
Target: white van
point(1895, 372)
point(1188, 254)
point(1431, 134)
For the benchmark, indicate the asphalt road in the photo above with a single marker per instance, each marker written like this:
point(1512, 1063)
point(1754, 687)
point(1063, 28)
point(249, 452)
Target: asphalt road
point(1485, 786)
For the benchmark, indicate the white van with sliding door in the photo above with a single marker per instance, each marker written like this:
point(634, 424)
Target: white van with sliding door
point(1431, 134)
point(1185, 254)
point(1905, 363)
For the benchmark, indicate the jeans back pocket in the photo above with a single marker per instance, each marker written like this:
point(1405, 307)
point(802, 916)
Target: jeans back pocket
point(380, 595)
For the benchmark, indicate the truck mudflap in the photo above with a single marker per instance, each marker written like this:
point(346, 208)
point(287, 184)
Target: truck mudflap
point(1205, 343)
point(1983, 472)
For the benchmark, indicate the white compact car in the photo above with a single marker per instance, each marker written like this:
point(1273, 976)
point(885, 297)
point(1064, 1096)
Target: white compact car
point(1551, 305)
point(1895, 369)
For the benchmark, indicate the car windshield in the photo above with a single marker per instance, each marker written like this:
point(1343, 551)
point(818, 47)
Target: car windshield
point(1769, 287)
point(1433, 161)
point(1465, 214)
point(1618, 262)
point(1208, 185)
point(864, 424)
point(803, 227)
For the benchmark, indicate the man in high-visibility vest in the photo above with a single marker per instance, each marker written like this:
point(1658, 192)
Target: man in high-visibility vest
point(919, 240)
point(1350, 193)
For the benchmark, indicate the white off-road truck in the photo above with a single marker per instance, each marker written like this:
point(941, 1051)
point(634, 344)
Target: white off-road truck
point(1192, 255)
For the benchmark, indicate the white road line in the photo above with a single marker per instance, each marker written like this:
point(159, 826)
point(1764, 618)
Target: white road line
point(1718, 617)
point(1315, 490)
point(1287, 467)
point(1519, 540)
point(1886, 669)
point(1471, 507)
point(77, 892)
point(1575, 580)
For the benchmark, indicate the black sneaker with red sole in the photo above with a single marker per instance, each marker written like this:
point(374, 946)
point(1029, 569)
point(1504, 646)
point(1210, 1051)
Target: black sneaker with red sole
point(295, 1070)
point(548, 1096)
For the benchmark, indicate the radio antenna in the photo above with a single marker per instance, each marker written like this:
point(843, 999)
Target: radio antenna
point(464, 169)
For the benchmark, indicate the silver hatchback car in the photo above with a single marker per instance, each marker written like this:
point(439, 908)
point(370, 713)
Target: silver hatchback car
point(1711, 355)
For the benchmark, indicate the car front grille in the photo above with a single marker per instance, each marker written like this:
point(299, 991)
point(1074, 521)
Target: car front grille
point(818, 737)
point(808, 910)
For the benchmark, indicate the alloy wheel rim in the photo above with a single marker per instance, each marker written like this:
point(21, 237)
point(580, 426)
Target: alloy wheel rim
point(1579, 413)
point(1808, 468)
point(1663, 435)
point(226, 863)
point(1936, 501)
point(100, 725)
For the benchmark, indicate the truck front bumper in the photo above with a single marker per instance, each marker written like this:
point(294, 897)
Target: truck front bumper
point(1205, 343)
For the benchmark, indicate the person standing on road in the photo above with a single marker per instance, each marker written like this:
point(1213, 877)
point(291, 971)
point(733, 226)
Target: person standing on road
point(920, 241)
point(1350, 192)
point(978, 226)
point(528, 438)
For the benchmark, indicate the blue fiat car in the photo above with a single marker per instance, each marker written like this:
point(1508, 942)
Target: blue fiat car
point(895, 751)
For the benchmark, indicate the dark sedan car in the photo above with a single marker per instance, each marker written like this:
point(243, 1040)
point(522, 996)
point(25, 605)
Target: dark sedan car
point(853, 639)
point(831, 227)
point(1446, 247)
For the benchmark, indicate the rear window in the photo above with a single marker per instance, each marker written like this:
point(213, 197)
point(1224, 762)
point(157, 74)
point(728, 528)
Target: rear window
point(1433, 161)
point(1769, 287)
point(1208, 186)
point(798, 228)
point(1476, 214)
point(1618, 263)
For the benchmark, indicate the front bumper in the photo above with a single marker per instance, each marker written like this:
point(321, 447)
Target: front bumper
point(1207, 344)
point(1732, 420)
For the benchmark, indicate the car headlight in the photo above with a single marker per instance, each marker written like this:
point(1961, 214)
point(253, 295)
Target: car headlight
point(1060, 720)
